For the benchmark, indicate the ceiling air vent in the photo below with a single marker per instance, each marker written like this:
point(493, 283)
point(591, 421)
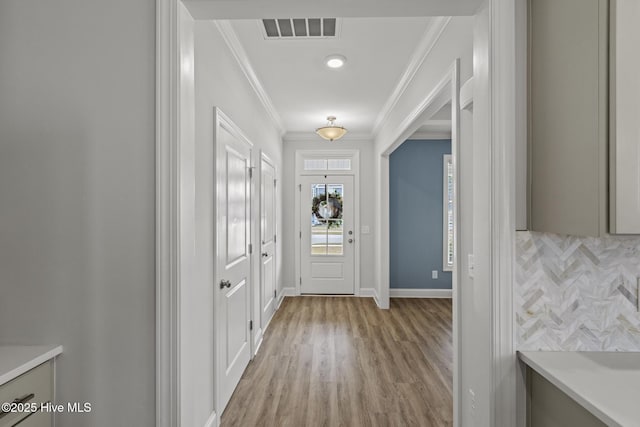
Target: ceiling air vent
point(296, 28)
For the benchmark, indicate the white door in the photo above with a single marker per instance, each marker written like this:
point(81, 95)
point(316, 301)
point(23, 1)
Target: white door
point(327, 235)
point(268, 240)
point(233, 259)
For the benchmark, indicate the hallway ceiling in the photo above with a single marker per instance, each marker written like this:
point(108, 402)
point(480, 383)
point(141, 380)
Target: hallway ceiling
point(379, 39)
point(304, 91)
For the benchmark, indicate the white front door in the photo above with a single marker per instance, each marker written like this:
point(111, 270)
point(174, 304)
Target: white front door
point(268, 241)
point(327, 234)
point(233, 259)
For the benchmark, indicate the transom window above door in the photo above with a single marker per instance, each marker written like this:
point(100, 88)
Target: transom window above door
point(327, 164)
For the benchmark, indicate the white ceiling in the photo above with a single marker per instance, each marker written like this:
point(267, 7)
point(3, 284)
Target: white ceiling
point(376, 37)
point(304, 91)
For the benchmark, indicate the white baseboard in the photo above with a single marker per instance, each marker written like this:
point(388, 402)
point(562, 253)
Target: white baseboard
point(285, 292)
point(257, 340)
point(420, 293)
point(212, 421)
point(368, 292)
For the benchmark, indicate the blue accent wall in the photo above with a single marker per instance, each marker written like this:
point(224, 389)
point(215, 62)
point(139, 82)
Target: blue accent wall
point(416, 223)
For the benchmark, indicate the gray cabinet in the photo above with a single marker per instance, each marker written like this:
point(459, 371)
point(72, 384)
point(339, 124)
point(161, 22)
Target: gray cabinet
point(548, 406)
point(568, 116)
point(624, 116)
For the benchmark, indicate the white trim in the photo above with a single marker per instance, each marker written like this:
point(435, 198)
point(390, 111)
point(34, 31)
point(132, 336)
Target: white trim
point(420, 136)
point(435, 28)
point(466, 94)
point(258, 338)
point(312, 136)
point(432, 103)
point(212, 421)
point(420, 293)
point(167, 215)
point(367, 292)
point(231, 39)
point(503, 116)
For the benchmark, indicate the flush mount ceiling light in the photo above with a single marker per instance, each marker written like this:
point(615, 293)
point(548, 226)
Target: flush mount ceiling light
point(331, 132)
point(335, 61)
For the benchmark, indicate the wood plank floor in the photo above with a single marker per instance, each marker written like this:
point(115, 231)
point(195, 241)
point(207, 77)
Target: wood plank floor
point(335, 361)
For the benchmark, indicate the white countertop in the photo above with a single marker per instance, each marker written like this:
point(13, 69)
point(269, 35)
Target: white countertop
point(15, 360)
point(607, 384)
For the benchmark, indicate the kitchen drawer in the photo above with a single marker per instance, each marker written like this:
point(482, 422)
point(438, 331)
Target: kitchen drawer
point(34, 386)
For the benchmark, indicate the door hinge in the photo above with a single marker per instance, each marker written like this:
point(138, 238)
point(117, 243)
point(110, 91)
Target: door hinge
point(301, 280)
point(299, 187)
point(250, 248)
point(251, 325)
point(275, 181)
point(301, 234)
point(275, 293)
point(275, 239)
point(251, 171)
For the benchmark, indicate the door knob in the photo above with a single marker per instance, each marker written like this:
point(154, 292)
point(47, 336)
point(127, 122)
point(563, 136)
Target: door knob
point(225, 284)
point(265, 254)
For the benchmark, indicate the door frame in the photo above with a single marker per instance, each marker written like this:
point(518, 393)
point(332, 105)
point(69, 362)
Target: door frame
point(446, 91)
point(300, 156)
point(498, 82)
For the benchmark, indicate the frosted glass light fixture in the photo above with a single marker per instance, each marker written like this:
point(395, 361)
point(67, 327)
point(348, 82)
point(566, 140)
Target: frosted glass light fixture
point(335, 61)
point(331, 132)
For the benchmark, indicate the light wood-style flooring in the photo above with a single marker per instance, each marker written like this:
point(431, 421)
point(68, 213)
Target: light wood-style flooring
point(336, 361)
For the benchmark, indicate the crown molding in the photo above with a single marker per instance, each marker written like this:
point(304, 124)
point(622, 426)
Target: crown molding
point(311, 136)
point(429, 39)
point(231, 39)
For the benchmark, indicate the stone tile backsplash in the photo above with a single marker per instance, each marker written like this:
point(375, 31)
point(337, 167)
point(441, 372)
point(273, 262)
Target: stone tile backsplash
point(577, 293)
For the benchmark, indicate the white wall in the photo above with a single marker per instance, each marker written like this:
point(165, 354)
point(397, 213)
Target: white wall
point(219, 82)
point(367, 213)
point(77, 216)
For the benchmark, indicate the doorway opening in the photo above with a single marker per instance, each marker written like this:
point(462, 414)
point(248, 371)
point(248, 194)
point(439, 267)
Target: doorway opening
point(445, 96)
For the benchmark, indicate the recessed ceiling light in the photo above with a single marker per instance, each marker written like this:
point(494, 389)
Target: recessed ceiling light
point(335, 61)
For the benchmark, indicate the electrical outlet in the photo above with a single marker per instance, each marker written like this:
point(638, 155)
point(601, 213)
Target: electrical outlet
point(434, 274)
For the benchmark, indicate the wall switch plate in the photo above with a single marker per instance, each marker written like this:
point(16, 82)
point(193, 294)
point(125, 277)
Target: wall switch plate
point(365, 229)
point(472, 265)
point(434, 274)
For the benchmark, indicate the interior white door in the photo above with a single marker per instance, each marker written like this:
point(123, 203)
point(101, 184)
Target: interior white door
point(233, 259)
point(268, 240)
point(328, 236)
